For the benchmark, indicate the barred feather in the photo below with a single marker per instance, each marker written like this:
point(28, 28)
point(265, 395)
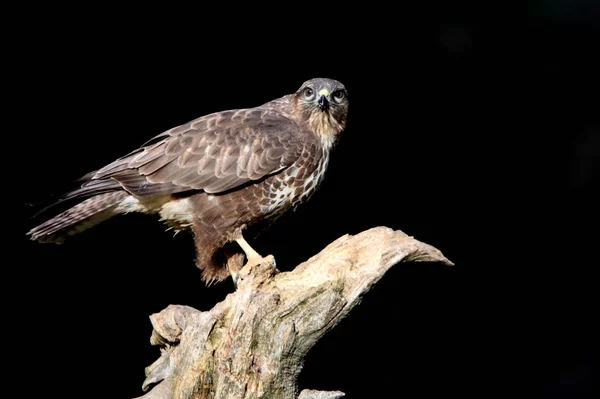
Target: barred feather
point(78, 218)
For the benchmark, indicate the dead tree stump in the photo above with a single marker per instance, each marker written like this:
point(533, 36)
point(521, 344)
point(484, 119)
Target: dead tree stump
point(253, 343)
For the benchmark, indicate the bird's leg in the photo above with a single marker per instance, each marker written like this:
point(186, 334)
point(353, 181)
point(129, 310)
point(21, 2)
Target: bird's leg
point(235, 262)
point(252, 256)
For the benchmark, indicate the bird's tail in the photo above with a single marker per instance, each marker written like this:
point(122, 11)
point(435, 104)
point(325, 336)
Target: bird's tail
point(78, 218)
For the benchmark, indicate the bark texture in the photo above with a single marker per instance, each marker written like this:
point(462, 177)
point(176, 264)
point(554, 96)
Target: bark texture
point(253, 343)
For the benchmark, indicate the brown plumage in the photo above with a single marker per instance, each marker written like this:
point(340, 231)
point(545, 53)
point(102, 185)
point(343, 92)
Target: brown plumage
point(217, 174)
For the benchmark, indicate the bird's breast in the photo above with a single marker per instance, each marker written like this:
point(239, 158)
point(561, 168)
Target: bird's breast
point(297, 183)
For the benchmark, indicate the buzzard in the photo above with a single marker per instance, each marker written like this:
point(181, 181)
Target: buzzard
point(217, 175)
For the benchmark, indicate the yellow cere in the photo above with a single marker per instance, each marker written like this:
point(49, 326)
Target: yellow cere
point(324, 92)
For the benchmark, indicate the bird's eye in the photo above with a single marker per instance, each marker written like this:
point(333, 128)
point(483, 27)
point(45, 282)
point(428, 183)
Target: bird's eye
point(339, 95)
point(309, 92)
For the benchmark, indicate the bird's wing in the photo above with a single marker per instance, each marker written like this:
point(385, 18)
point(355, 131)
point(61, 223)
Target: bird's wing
point(215, 153)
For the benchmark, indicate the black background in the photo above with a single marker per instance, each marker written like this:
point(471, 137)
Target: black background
point(477, 137)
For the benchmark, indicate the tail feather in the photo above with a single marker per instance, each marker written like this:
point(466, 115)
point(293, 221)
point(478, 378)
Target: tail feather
point(89, 188)
point(78, 218)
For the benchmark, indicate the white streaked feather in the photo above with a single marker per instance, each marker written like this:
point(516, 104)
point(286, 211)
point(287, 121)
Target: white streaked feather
point(150, 205)
point(176, 212)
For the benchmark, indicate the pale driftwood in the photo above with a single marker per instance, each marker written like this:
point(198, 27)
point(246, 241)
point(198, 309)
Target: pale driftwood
point(253, 343)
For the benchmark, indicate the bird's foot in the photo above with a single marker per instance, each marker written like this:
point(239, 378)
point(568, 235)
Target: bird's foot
point(234, 265)
point(256, 267)
point(253, 259)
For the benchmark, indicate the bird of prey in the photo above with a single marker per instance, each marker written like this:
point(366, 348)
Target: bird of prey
point(217, 175)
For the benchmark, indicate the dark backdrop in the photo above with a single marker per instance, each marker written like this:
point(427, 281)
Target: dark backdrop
point(476, 137)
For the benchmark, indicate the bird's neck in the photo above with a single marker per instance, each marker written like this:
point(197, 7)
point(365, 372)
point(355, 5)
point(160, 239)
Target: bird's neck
point(323, 124)
point(325, 127)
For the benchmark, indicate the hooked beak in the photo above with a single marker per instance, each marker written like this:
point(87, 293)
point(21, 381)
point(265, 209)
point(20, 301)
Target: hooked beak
point(323, 103)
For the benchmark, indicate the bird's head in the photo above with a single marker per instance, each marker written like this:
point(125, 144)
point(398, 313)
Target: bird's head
point(323, 103)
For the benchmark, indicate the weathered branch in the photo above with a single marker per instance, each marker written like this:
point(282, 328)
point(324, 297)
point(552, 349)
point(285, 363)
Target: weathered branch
point(253, 343)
